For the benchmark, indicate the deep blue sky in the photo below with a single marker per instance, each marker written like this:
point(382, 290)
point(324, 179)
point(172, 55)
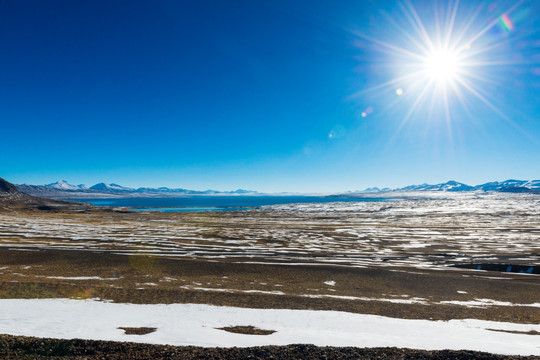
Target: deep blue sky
point(264, 95)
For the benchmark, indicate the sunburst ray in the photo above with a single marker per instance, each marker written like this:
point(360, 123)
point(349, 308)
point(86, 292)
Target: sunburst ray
point(444, 58)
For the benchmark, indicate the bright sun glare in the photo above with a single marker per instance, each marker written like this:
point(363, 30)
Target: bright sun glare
point(442, 65)
point(439, 61)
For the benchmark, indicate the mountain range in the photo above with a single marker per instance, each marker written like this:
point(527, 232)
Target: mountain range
point(500, 186)
point(12, 199)
point(62, 188)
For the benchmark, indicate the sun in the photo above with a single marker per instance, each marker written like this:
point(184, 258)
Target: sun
point(442, 66)
point(441, 61)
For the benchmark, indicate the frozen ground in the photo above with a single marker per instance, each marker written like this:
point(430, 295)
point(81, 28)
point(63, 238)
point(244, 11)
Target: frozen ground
point(490, 228)
point(196, 324)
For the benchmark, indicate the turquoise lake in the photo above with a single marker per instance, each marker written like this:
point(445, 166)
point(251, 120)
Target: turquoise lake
point(211, 203)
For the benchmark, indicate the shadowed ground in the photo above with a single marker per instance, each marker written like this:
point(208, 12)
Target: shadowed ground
point(18, 347)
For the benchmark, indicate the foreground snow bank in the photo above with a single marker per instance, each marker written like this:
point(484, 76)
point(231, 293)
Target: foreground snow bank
point(195, 324)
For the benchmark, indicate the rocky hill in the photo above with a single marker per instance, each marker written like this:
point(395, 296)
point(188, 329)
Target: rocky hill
point(7, 187)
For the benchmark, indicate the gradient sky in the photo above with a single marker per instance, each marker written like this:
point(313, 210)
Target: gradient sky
point(264, 95)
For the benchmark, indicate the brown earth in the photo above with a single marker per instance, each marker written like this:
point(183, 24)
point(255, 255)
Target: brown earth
point(138, 330)
point(151, 280)
point(247, 330)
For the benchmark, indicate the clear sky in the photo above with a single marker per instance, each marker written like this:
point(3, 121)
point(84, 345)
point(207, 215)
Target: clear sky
point(269, 95)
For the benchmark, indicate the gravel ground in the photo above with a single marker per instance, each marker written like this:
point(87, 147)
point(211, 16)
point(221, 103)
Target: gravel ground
point(18, 347)
point(147, 280)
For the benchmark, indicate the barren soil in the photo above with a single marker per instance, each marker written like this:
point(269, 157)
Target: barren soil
point(406, 259)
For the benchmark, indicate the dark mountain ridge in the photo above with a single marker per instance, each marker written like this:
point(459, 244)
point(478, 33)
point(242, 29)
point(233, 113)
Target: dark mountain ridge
point(7, 187)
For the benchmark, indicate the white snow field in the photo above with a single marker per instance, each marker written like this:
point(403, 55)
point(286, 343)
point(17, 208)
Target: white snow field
point(196, 324)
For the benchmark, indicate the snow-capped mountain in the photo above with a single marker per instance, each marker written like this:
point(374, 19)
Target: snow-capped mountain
point(372, 189)
point(501, 186)
point(447, 186)
point(510, 185)
point(64, 185)
point(62, 188)
point(533, 184)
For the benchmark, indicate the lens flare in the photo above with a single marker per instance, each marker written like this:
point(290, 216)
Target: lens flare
point(506, 23)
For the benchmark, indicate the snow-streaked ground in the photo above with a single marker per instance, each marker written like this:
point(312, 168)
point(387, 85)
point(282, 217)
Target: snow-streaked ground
point(419, 233)
point(195, 324)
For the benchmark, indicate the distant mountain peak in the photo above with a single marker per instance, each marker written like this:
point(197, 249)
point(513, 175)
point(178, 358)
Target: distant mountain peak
point(110, 187)
point(64, 185)
point(243, 191)
point(372, 189)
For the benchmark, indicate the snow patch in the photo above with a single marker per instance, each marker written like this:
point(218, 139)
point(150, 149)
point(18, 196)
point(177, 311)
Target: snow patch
point(486, 302)
point(78, 277)
point(195, 324)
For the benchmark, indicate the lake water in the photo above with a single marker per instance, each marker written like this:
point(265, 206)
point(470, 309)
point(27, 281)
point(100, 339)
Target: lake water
point(211, 203)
